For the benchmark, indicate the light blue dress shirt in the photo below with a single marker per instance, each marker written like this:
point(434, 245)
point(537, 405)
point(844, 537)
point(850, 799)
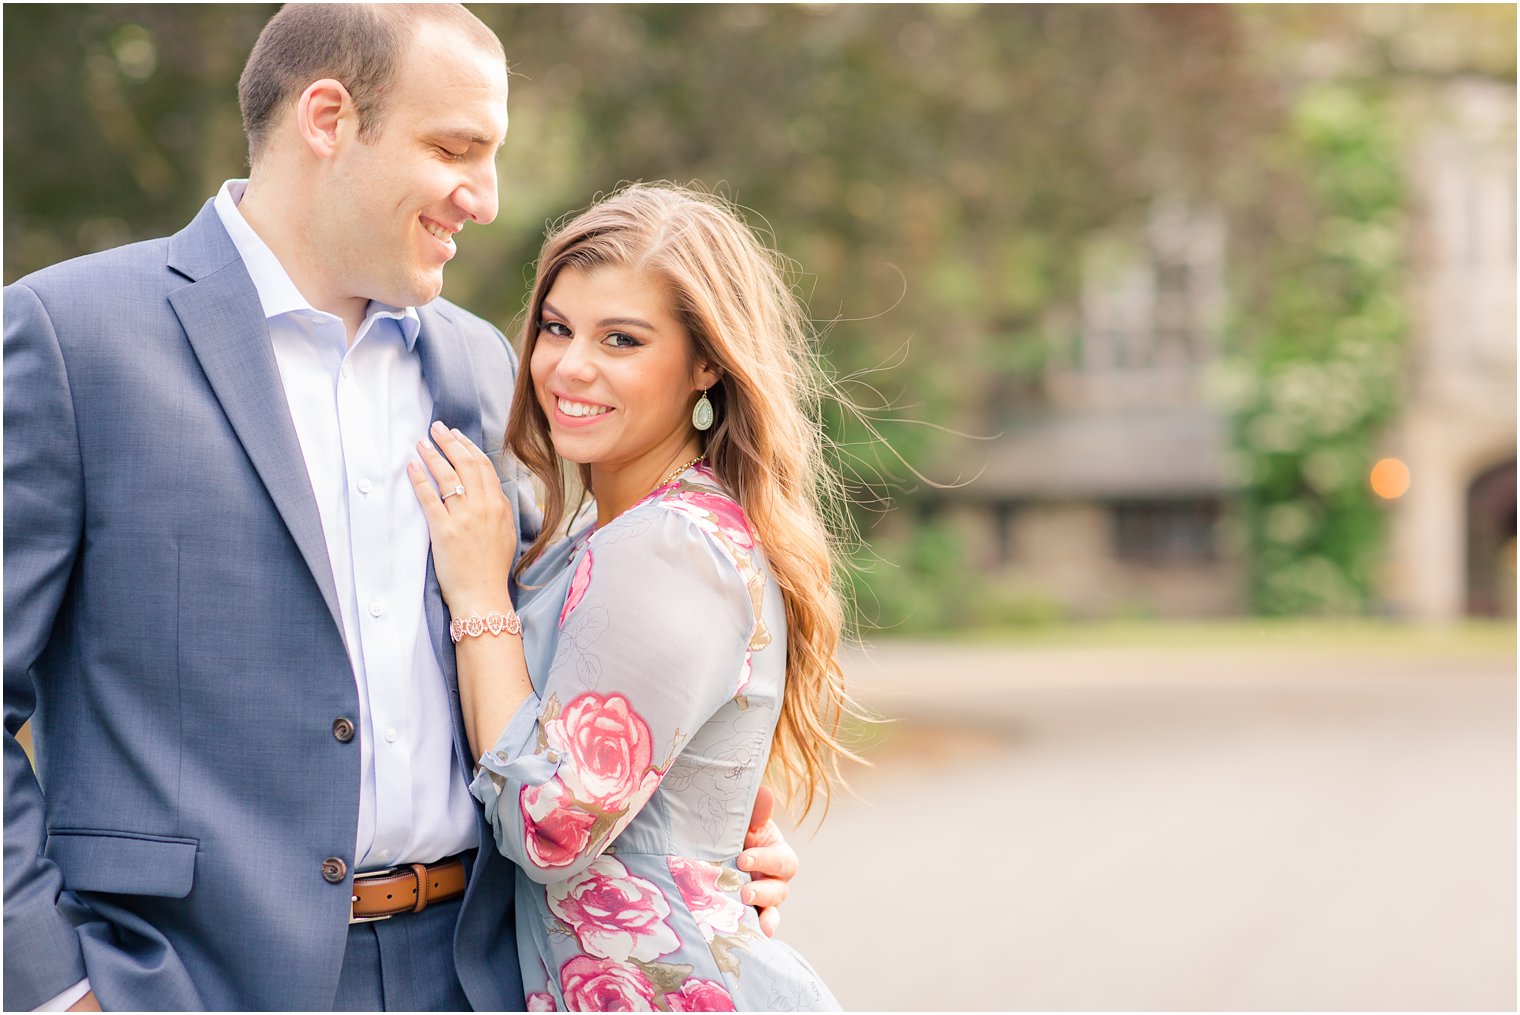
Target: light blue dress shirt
point(359, 410)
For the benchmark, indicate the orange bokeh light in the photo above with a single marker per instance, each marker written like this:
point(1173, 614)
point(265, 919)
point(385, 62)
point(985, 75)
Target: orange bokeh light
point(1390, 478)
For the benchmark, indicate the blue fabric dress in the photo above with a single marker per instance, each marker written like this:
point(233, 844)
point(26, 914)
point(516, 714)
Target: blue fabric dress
point(622, 787)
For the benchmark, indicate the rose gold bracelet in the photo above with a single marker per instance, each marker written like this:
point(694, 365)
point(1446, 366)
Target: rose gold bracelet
point(475, 625)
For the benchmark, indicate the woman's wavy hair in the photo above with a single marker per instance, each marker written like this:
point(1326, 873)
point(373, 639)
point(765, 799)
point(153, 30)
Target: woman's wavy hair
point(731, 293)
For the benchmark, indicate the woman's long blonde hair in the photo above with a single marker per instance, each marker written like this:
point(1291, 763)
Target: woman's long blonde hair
point(766, 446)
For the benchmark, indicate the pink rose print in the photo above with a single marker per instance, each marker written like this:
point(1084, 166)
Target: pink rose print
point(607, 746)
point(726, 515)
point(700, 995)
point(541, 1002)
point(640, 797)
point(604, 985)
point(554, 831)
point(578, 583)
point(715, 911)
point(744, 674)
point(614, 914)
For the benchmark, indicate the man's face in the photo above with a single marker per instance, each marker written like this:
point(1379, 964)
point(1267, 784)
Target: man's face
point(396, 200)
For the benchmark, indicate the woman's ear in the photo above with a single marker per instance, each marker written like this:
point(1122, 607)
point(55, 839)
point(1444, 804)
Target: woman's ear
point(706, 376)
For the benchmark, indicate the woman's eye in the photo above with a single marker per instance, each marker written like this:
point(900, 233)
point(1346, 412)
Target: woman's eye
point(621, 340)
point(554, 328)
point(451, 154)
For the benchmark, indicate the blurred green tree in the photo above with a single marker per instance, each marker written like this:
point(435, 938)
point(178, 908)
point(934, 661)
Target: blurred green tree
point(1320, 334)
point(932, 169)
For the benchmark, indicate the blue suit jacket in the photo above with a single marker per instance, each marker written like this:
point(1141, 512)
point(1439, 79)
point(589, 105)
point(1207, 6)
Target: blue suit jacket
point(172, 631)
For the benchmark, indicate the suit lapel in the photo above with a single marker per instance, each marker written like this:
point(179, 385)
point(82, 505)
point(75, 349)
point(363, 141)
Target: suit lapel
point(224, 321)
point(448, 372)
point(450, 378)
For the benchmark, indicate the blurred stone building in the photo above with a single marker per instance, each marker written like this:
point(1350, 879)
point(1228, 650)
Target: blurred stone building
point(1115, 494)
point(1452, 548)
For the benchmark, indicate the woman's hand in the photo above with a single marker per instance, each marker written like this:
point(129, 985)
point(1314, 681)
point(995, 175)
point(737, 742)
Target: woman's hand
point(470, 522)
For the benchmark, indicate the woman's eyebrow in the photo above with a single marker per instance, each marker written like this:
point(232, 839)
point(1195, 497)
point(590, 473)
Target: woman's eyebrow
point(625, 322)
point(606, 322)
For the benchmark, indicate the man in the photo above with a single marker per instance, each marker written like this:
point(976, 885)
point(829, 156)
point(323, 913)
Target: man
point(221, 616)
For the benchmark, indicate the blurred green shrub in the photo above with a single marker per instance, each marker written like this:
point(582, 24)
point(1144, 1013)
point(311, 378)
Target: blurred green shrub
point(1319, 343)
point(921, 584)
point(913, 584)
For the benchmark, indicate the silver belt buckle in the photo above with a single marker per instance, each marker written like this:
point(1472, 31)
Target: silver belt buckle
point(383, 872)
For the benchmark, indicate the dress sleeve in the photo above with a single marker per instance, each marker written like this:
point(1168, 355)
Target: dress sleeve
point(652, 641)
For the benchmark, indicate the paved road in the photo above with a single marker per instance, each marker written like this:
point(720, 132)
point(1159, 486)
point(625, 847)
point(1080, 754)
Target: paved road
point(1144, 829)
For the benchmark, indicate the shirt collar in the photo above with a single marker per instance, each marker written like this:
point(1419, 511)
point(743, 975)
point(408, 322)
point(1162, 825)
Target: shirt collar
point(277, 293)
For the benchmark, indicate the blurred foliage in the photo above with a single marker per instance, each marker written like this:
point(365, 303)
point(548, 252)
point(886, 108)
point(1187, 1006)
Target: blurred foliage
point(932, 169)
point(1320, 335)
point(916, 584)
point(920, 583)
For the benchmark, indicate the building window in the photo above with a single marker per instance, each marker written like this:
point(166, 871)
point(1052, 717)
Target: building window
point(1153, 304)
point(1004, 514)
point(1166, 532)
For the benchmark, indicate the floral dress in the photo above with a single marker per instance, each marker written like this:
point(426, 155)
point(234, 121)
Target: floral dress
point(622, 787)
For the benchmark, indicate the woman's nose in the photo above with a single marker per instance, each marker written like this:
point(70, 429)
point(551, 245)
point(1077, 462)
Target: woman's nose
point(576, 363)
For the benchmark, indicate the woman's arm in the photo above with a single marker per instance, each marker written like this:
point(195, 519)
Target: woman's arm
point(474, 541)
point(474, 538)
point(652, 642)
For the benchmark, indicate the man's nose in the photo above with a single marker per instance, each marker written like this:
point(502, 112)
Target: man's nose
point(476, 196)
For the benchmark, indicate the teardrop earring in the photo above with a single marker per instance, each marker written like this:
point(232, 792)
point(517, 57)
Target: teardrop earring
point(702, 413)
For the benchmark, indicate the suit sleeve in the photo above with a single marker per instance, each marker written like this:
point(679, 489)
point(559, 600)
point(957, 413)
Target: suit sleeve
point(44, 511)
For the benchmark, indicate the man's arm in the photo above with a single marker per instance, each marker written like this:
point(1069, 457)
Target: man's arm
point(44, 510)
point(770, 861)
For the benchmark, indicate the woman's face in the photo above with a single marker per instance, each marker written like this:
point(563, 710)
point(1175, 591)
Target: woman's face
point(614, 369)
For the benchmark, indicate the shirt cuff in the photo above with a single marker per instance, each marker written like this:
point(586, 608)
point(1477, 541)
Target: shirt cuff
point(68, 998)
point(509, 758)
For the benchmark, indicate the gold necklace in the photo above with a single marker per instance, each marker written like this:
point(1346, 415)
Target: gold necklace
point(679, 469)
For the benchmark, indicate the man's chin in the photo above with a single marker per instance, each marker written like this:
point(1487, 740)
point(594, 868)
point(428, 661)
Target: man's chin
point(419, 293)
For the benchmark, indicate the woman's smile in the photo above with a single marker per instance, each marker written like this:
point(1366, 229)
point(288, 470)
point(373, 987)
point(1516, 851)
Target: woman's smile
point(576, 411)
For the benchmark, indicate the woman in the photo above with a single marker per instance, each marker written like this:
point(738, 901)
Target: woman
point(665, 652)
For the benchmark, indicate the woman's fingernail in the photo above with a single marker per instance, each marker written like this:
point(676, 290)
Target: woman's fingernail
point(745, 863)
point(748, 895)
point(439, 428)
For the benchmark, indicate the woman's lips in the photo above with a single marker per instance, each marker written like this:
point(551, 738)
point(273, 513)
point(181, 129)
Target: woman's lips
point(571, 412)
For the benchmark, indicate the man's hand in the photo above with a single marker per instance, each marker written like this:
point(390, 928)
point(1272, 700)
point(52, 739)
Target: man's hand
point(770, 862)
point(88, 1002)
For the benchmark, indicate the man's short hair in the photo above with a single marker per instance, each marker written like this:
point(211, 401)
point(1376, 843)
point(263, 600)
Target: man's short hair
point(360, 45)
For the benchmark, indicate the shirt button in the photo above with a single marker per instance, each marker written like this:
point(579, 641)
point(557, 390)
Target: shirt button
point(334, 870)
point(365, 486)
point(501, 756)
point(385, 854)
point(390, 735)
point(375, 609)
point(343, 729)
point(553, 757)
point(348, 371)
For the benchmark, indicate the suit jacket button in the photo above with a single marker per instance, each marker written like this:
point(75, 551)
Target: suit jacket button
point(343, 729)
point(334, 870)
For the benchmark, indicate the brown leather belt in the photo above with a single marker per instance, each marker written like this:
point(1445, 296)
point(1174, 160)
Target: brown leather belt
point(379, 895)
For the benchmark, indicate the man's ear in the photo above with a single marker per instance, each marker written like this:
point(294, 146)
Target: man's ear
point(321, 114)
